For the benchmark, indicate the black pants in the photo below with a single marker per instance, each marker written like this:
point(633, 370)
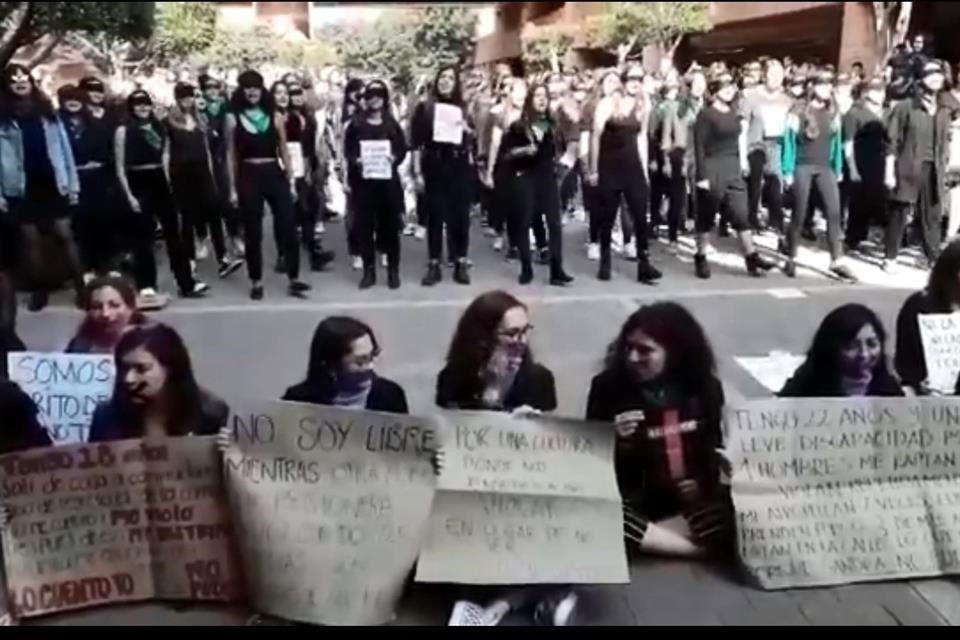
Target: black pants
point(266, 183)
point(307, 208)
point(97, 220)
point(809, 180)
point(868, 205)
point(635, 193)
point(764, 185)
point(676, 193)
point(195, 193)
point(928, 207)
point(228, 213)
point(535, 194)
point(152, 191)
point(446, 200)
point(727, 195)
point(378, 220)
point(591, 203)
point(33, 234)
point(569, 180)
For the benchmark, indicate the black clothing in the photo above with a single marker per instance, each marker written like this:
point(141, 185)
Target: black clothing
point(187, 147)
point(256, 145)
point(385, 395)
point(716, 139)
point(621, 175)
point(804, 384)
point(815, 151)
point(106, 425)
point(266, 183)
point(909, 359)
point(533, 386)
point(905, 143)
point(927, 208)
point(808, 180)
point(19, 429)
point(139, 152)
point(717, 152)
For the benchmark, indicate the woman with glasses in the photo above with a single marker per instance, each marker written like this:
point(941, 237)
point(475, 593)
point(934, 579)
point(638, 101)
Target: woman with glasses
point(341, 370)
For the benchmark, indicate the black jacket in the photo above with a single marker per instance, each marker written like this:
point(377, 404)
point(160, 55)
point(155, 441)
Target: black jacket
point(533, 387)
point(19, 429)
point(903, 145)
point(805, 384)
point(106, 426)
point(385, 396)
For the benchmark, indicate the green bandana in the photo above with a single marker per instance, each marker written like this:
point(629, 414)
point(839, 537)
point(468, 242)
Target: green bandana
point(543, 125)
point(257, 118)
point(152, 136)
point(214, 107)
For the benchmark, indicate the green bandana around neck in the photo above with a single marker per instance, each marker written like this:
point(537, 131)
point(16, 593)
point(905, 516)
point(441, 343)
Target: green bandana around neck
point(258, 119)
point(214, 107)
point(152, 136)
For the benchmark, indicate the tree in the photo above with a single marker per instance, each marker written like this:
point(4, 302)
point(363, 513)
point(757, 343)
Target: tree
point(891, 20)
point(183, 29)
point(544, 48)
point(625, 27)
point(24, 23)
point(443, 35)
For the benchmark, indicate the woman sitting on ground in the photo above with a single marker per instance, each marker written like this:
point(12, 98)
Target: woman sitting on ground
point(111, 310)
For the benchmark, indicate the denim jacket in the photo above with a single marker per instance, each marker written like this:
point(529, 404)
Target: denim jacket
point(13, 176)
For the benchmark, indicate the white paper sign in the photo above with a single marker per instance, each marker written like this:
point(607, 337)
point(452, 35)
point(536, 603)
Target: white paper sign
point(295, 151)
point(772, 371)
point(940, 333)
point(375, 159)
point(66, 389)
point(447, 124)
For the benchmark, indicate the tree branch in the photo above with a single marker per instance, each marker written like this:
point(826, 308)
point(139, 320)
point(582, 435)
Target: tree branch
point(44, 54)
point(14, 28)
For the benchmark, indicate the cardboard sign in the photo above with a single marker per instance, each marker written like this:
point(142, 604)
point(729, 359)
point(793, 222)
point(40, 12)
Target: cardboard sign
point(375, 159)
point(117, 522)
point(331, 506)
point(66, 389)
point(941, 349)
point(447, 124)
point(772, 371)
point(846, 490)
point(525, 502)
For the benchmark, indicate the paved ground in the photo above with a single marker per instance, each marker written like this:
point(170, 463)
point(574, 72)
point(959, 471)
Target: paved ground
point(250, 351)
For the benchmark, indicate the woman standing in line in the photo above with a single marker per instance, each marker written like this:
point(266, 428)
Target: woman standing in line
point(341, 371)
point(497, 175)
point(142, 157)
point(302, 152)
point(721, 163)
point(813, 159)
point(619, 170)
point(443, 172)
point(193, 181)
point(848, 359)
point(256, 145)
point(529, 149)
point(351, 109)
point(38, 177)
point(96, 223)
point(660, 388)
point(375, 184)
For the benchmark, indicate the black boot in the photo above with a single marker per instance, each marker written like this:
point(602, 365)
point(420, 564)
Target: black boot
point(393, 276)
point(319, 259)
point(526, 273)
point(461, 274)
point(646, 272)
point(757, 265)
point(605, 260)
point(369, 275)
point(701, 267)
point(434, 274)
point(281, 266)
point(559, 277)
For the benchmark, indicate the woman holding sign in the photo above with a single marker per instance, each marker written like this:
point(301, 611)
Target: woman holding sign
point(375, 147)
point(341, 371)
point(942, 296)
point(111, 309)
point(660, 388)
point(848, 359)
point(156, 393)
point(443, 170)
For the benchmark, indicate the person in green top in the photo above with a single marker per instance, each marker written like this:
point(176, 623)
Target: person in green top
point(812, 158)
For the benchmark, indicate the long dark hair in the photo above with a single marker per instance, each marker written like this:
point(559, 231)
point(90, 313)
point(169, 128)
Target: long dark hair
point(354, 85)
point(122, 286)
point(456, 96)
point(238, 102)
point(331, 342)
point(942, 288)
point(819, 375)
point(530, 114)
point(38, 100)
point(475, 339)
point(690, 359)
point(182, 392)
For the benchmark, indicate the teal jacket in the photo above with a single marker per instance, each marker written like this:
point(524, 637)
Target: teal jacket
point(788, 152)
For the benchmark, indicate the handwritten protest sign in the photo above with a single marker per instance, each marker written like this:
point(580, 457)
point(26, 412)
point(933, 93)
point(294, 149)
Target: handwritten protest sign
point(330, 506)
point(375, 159)
point(65, 387)
point(940, 333)
point(846, 490)
point(116, 522)
point(447, 123)
point(772, 371)
point(525, 502)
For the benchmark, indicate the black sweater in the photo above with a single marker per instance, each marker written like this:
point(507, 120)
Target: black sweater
point(385, 395)
point(533, 386)
point(909, 360)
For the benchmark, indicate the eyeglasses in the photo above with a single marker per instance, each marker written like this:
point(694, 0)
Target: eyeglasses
point(362, 361)
point(515, 334)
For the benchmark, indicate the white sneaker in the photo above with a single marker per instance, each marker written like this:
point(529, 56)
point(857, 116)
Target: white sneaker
point(593, 252)
point(420, 233)
point(319, 229)
point(616, 241)
point(630, 251)
point(383, 260)
point(580, 214)
point(150, 300)
point(498, 244)
point(533, 239)
point(357, 263)
point(203, 251)
point(88, 277)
